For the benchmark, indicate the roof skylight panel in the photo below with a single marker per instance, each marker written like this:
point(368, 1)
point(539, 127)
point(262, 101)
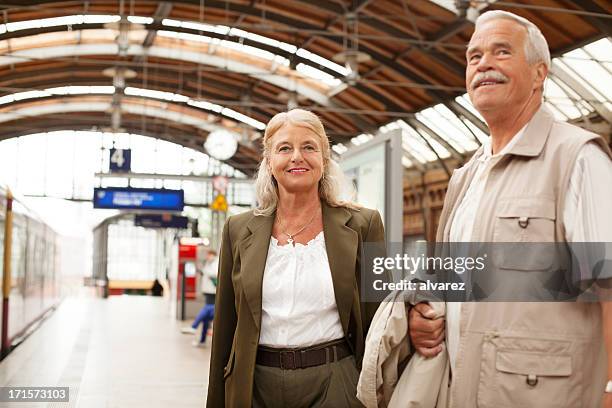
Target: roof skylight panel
point(205, 105)
point(573, 98)
point(456, 129)
point(243, 118)
point(601, 51)
point(140, 20)
point(317, 74)
point(480, 135)
point(588, 73)
point(247, 49)
point(418, 146)
point(322, 61)
point(557, 113)
point(100, 19)
point(185, 36)
point(446, 130)
point(66, 21)
point(416, 149)
point(464, 100)
point(556, 96)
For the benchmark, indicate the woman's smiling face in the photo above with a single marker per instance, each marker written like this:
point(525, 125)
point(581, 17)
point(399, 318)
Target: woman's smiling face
point(296, 159)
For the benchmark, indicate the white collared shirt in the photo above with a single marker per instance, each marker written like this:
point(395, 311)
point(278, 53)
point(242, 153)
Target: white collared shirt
point(298, 300)
point(586, 216)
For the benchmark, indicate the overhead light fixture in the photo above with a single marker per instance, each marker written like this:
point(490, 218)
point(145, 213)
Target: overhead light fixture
point(119, 75)
point(351, 60)
point(469, 9)
point(472, 14)
point(221, 144)
point(113, 71)
point(292, 98)
point(123, 26)
point(351, 57)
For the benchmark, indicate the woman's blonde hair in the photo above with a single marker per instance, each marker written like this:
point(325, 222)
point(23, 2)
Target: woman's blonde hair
point(334, 187)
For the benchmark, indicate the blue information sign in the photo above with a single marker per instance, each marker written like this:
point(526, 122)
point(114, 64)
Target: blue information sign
point(139, 198)
point(161, 221)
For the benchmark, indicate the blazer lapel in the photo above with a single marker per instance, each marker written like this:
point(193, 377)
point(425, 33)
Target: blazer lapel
point(253, 254)
point(341, 243)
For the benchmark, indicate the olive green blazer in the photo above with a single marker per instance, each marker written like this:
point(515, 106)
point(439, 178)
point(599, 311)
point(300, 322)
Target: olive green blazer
point(242, 260)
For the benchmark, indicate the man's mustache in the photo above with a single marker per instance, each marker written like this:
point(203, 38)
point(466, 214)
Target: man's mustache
point(486, 76)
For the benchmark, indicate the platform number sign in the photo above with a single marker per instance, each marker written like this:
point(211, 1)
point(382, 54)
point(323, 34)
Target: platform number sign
point(120, 160)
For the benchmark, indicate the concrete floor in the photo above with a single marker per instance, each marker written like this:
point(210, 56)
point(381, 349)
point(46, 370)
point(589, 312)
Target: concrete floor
point(124, 351)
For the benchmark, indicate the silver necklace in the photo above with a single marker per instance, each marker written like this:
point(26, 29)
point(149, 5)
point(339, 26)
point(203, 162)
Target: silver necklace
point(290, 239)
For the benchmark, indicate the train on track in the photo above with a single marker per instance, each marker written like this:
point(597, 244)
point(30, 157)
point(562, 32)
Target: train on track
point(29, 268)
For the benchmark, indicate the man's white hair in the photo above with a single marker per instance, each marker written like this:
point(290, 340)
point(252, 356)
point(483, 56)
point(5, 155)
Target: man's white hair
point(536, 46)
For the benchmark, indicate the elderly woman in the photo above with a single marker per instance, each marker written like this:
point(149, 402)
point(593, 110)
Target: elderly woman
point(290, 325)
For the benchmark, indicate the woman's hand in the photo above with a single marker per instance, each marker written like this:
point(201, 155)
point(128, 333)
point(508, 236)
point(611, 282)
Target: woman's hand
point(426, 333)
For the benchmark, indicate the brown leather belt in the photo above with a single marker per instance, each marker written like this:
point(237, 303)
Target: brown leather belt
point(292, 359)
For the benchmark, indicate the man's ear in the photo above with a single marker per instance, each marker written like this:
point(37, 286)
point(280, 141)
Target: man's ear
point(541, 74)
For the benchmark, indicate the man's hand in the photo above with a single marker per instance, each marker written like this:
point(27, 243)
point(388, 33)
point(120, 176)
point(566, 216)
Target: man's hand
point(426, 333)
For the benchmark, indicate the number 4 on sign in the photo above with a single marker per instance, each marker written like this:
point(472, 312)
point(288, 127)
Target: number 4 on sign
point(117, 158)
point(120, 160)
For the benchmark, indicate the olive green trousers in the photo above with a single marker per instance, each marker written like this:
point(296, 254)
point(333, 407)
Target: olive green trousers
point(331, 385)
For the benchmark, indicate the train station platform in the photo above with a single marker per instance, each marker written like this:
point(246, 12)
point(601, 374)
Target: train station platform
point(124, 351)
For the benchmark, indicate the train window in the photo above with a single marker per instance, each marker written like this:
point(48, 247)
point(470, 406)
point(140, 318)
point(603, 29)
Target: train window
point(18, 261)
point(1, 244)
point(2, 216)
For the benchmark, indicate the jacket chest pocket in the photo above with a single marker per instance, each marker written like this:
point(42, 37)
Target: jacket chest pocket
point(525, 220)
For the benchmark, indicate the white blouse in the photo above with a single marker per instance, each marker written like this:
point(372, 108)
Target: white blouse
point(298, 303)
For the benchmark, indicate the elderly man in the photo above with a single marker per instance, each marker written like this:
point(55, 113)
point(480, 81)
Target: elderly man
point(538, 180)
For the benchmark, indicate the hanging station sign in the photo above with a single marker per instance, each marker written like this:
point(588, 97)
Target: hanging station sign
point(161, 221)
point(121, 198)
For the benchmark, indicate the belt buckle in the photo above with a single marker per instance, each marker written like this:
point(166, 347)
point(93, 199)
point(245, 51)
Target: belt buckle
point(288, 360)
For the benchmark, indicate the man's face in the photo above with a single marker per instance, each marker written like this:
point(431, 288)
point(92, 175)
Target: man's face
point(498, 76)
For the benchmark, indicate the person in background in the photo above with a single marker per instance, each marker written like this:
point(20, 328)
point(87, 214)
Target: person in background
point(208, 279)
point(290, 324)
point(537, 180)
point(157, 289)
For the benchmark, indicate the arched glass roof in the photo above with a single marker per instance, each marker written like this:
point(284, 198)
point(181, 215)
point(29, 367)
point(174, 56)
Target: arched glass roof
point(578, 88)
point(578, 85)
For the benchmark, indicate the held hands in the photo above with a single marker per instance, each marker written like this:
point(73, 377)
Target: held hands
point(425, 333)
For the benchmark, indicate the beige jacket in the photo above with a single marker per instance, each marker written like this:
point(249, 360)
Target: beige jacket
point(540, 355)
point(383, 383)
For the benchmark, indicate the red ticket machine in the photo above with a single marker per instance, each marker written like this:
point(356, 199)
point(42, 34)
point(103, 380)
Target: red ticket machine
point(186, 279)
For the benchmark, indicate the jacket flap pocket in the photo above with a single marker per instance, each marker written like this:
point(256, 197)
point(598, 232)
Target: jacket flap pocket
point(529, 207)
point(540, 364)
